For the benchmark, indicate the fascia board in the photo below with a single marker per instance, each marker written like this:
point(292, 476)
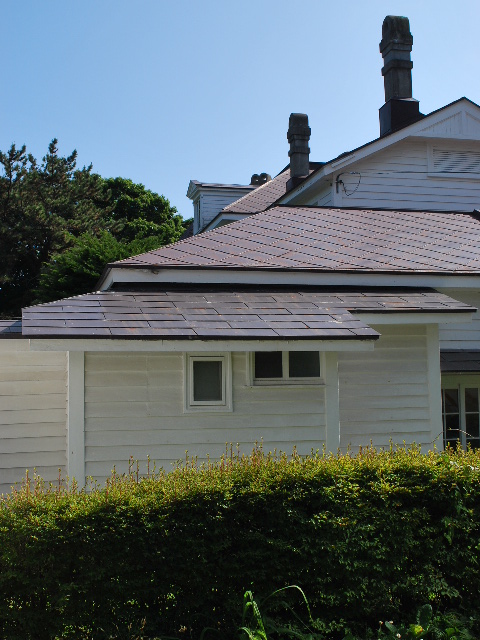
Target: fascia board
point(89, 344)
point(232, 277)
point(231, 217)
point(414, 317)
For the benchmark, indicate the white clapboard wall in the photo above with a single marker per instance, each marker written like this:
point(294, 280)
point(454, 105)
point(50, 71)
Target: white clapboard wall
point(134, 407)
point(465, 335)
point(32, 413)
point(412, 174)
point(393, 392)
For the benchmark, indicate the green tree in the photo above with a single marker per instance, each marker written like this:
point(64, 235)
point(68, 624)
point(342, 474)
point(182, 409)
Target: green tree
point(51, 208)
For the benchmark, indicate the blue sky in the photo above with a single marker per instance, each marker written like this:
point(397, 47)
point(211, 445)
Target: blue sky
point(162, 92)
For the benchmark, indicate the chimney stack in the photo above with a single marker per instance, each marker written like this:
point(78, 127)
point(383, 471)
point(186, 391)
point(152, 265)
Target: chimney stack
point(298, 136)
point(400, 109)
point(259, 179)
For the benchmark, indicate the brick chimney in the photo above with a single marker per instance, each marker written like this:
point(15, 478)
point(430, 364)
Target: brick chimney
point(400, 109)
point(298, 136)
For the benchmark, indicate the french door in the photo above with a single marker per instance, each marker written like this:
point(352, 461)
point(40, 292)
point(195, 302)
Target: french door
point(461, 410)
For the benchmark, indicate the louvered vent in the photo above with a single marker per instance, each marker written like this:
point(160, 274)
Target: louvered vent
point(449, 161)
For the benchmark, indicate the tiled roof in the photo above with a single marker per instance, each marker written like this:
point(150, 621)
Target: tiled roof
point(266, 194)
point(190, 314)
point(261, 197)
point(233, 314)
point(459, 361)
point(328, 239)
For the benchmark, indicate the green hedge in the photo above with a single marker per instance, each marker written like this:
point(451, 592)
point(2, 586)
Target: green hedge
point(367, 537)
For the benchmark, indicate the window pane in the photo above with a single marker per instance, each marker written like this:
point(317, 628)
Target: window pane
point(452, 427)
point(471, 400)
point(207, 381)
point(451, 401)
point(304, 364)
point(471, 423)
point(268, 364)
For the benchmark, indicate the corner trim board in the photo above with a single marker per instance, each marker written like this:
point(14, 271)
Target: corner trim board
point(76, 417)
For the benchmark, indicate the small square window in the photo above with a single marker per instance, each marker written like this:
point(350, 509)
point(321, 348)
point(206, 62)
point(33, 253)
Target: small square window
point(268, 364)
point(304, 364)
point(208, 383)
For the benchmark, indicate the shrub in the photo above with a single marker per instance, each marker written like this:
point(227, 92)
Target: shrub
point(366, 537)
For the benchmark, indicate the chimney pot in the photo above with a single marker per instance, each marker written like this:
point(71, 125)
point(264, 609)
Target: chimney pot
point(298, 136)
point(258, 179)
point(400, 109)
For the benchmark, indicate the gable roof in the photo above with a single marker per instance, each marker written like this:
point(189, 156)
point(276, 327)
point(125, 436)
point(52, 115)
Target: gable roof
point(266, 194)
point(329, 239)
point(443, 122)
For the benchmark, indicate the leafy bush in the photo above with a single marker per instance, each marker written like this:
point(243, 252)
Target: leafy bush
point(366, 537)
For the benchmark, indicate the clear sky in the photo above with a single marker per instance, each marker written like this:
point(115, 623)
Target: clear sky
point(164, 91)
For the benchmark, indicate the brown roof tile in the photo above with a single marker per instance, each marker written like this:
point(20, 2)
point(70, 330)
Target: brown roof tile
point(325, 239)
point(236, 313)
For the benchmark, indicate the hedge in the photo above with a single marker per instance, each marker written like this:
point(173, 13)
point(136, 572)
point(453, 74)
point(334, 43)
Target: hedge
point(366, 537)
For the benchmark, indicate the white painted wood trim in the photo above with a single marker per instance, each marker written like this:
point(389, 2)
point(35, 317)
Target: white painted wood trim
point(265, 277)
point(76, 417)
point(332, 403)
point(225, 405)
point(415, 318)
point(176, 346)
point(434, 386)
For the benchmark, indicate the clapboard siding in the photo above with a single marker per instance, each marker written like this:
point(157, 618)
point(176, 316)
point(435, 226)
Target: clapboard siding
point(384, 394)
point(33, 413)
point(212, 203)
point(464, 335)
point(134, 407)
point(324, 198)
point(399, 178)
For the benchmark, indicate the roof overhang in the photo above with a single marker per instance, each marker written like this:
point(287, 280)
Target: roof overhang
point(239, 319)
point(195, 188)
point(270, 277)
point(200, 346)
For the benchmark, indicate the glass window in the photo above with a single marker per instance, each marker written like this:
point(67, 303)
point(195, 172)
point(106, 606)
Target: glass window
point(286, 366)
point(304, 364)
point(461, 415)
point(268, 364)
point(207, 381)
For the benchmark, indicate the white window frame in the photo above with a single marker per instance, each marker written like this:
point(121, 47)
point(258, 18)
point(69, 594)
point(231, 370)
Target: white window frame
point(461, 382)
point(285, 379)
point(225, 404)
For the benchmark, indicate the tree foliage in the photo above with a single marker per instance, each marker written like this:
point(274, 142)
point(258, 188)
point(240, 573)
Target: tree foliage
point(59, 226)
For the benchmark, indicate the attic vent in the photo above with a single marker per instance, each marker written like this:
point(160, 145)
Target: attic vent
point(450, 161)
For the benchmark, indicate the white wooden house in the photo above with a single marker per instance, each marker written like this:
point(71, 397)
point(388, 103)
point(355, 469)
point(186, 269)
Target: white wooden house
point(336, 308)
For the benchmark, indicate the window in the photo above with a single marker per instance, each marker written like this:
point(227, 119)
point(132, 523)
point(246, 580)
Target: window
point(208, 382)
point(286, 367)
point(461, 412)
